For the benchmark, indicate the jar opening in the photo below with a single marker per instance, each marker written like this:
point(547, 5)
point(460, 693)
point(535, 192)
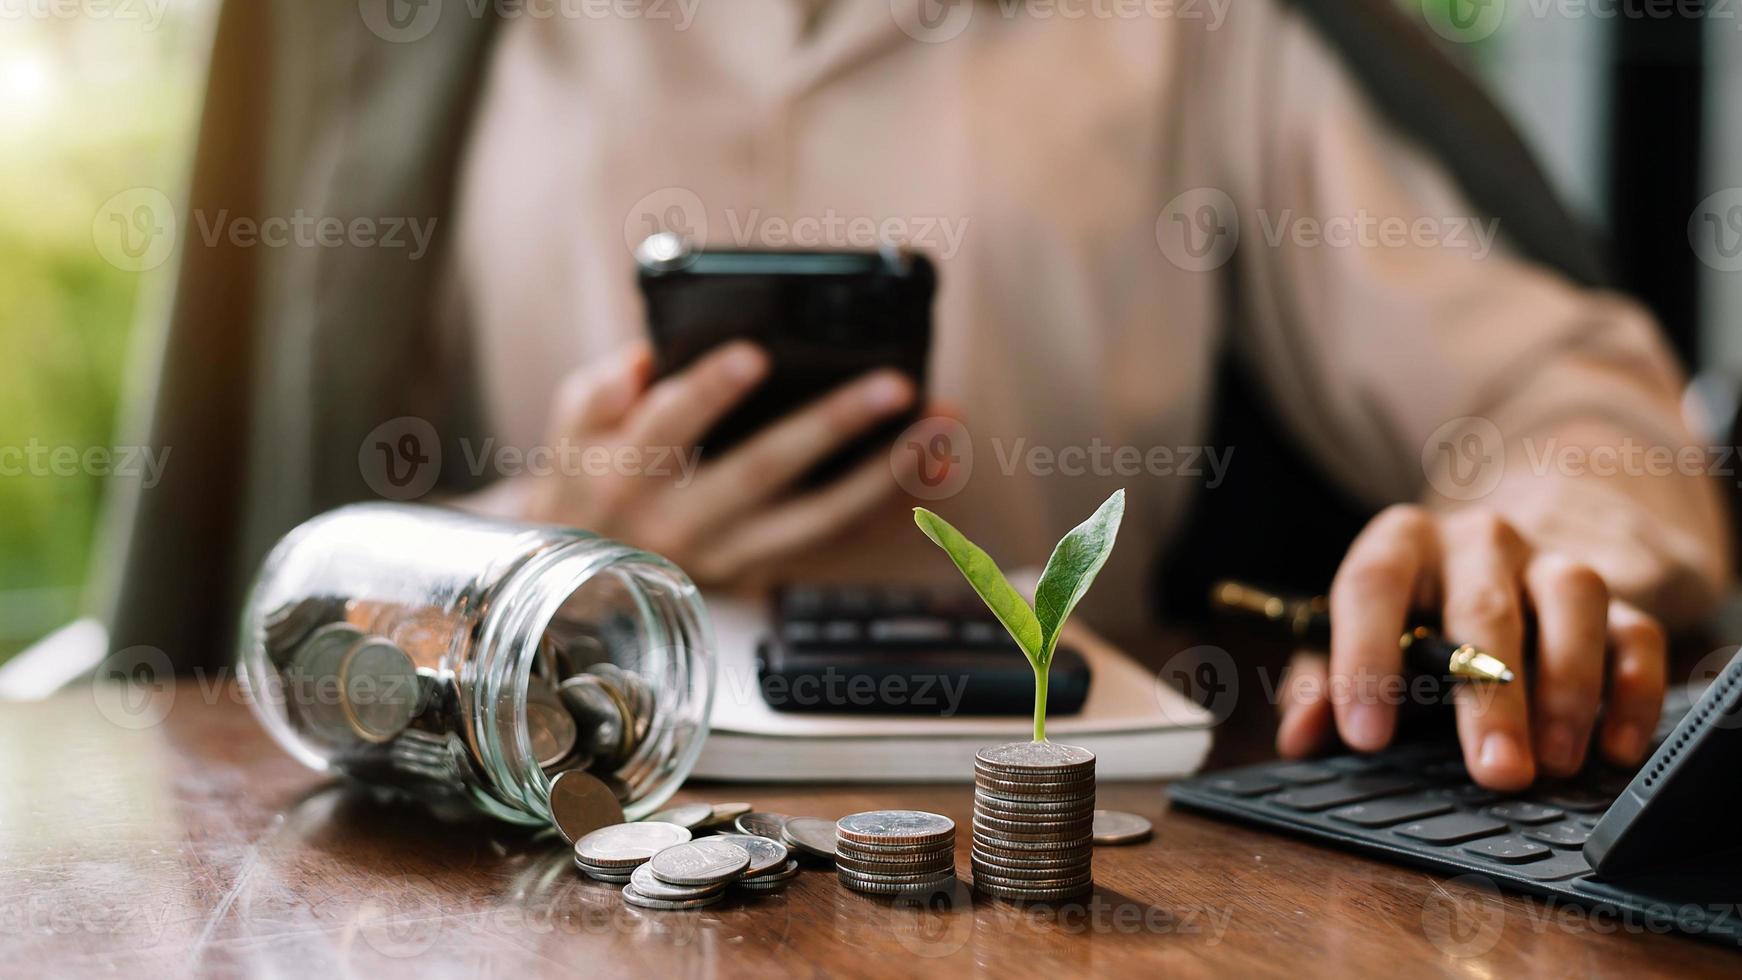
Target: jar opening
point(594, 656)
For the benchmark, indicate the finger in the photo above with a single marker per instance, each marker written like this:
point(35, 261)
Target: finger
point(1371, 597)
point(773, 458)
point(1636, 683)
point(803, 522)
point(1572, 612)
point(680, 409)
point(597, 396)
point(1307, 721)
point(1484, 606)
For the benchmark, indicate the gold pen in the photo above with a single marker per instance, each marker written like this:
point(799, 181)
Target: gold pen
point(1307, 619)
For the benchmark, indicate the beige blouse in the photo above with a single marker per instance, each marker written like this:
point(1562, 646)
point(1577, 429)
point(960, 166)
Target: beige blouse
point(1109, 201)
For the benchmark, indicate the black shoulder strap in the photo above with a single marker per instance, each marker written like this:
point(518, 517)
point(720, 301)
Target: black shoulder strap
point(1428, 97)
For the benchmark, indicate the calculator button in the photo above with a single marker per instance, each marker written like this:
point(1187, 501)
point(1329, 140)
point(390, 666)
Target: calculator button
point(1385, 812)
point(1508, 850)
point(911, 629)
point(1244, 784)
point(1524, 811)
point(1453, 828)
point(801, 631)
point(1350, 789)
point(1568, 834)
point(1578, 799)
point(1355, 763)
point(841, 631)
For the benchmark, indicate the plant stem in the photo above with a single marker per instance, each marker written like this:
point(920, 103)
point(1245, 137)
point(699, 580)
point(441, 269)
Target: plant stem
point(1040, 704)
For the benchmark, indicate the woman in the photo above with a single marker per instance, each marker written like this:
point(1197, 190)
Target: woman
point(1129, 196)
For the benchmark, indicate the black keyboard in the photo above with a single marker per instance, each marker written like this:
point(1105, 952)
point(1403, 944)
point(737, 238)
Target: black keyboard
point(1417, 805)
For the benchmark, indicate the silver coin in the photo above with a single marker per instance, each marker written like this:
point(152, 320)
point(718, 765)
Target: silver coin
point(625, 845)
point(381, 691)
point(708, 861)
point(902, 878)
point(600, 725)
point(725, 813)
point(317, 689)
point(1030, 756)
point(883, 857)
point(1036, 862)
point(635, 897)
point(1023, 894)
point(786, 872)
point(648, 883)
point(689, 815)
point(1113, 827)
point(549, 726)
point(760, 824)
point(581, 804)
point(811, 835)
point(1038, 825)
point(899, 888)
point(895, 850)
point(1047, 810)
point(766, 856)
point(1075, 796)
point(1030, 790)
point(935, 866)
point(1078, 834)
point(1004, 842)
point(895, 827)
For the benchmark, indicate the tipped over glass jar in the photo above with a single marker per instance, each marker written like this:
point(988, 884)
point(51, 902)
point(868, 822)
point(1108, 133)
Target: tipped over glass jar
point(468, 662)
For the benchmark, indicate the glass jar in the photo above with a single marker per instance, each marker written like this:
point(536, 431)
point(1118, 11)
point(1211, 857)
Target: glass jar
point(468, 661)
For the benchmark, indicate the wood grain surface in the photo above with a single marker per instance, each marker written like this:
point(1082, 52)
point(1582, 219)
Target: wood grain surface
point(172, 837)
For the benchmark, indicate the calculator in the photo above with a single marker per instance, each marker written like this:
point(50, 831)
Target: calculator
point(936, 652)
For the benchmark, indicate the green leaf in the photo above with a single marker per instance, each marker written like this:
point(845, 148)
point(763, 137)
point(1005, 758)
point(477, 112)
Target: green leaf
point(1072, 569)
point(983, 574)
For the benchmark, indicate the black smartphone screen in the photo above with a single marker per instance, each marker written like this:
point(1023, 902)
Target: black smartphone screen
point(825, 318)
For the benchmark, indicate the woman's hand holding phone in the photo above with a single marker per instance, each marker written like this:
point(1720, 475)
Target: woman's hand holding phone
point(720, 518)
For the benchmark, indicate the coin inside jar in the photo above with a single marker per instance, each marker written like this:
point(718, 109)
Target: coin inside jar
point(549, 727)
point(380, 689)
point(597, 713)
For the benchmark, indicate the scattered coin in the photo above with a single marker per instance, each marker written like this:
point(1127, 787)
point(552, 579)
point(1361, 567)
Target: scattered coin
point(625, 845)
point(648, 883)
point(895, 827)
point(635, 897)
point(1117, 827)
point(581, 804)
point(760, 824)
point(602, 874)
point(766, 856)
point(688, 816)
point(725, 813)
point(709, 861)
point(811, 835)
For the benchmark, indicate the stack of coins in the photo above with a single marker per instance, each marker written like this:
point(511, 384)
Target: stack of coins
point(891, 852)
point(1034, 815)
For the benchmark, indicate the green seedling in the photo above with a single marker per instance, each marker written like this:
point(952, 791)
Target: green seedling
point(1069, 573)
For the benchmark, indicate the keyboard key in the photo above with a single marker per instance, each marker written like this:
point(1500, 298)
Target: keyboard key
point(1244, 784)
point(1396, 809)
point(1350, 789)
point(1447, 769)
point(1469, 794)
point(1563, 864)
point(1508, 850)
point(1567, 834)
point(1453, 828)
point(1355, 764)
point(1524, 811)
point(1579, 799)
point(1589, 823)
point(1303, 774)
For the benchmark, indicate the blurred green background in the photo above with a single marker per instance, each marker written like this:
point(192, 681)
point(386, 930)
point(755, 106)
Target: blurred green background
point(90, 105)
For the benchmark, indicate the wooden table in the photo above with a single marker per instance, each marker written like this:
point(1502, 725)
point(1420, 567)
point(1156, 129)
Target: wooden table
point(142, 847)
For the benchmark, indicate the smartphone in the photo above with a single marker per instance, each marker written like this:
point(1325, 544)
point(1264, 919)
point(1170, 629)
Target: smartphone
point(825, 318)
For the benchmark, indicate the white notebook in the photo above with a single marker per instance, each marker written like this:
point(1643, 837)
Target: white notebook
point(1138, 726)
